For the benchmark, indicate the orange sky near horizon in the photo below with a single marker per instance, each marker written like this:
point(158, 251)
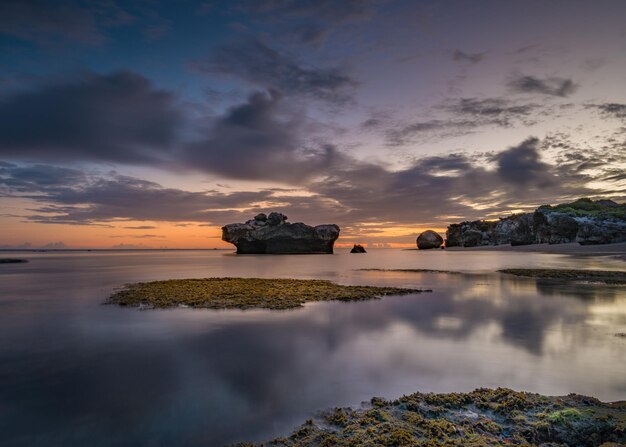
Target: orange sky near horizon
point(140, 234)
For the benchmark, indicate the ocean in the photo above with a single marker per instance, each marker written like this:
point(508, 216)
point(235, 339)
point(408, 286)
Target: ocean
point(74, 371)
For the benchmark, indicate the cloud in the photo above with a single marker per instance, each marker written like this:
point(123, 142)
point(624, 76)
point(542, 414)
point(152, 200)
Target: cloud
point(522, 165)
point(473, 58)
point(495, 111)
point(119, 117)
point(463, 116)
point(613, 109)
point(554, 86)
point(442, 127)
point(129, 247)
point(351, 193)
point(122, 118)
point(98, 198)
point(141, 227)
point(262, 66)
point(259, 139)
point(138, 236)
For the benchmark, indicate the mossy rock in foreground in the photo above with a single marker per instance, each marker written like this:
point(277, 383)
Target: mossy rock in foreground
point(484, 417)
point(244, 293)
point(602, 276)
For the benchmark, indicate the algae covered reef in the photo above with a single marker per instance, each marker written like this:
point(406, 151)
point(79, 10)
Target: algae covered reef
point(12, 261)
point(245, 293)
point(484, 417)
point(600, 276)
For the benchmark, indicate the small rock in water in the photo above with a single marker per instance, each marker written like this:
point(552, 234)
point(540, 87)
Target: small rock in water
point(358, 248)
point(429, 239)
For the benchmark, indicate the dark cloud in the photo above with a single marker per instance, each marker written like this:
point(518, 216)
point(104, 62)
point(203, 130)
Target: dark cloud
point(462, 56)
point(261, 140)
point(454, 184)
point(104, 198)
point(464, 116)
point(259, 64)
point(119, 117)
point(123, 118)
point(554, 86)
point(613, 109)
point(522, 165)
point(404, 134)
point(496, 110)
point(350, 193)
point(141, 227)
point(36, 177)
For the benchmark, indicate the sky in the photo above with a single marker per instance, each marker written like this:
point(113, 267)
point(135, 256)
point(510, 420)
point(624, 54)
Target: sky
point(150, 124)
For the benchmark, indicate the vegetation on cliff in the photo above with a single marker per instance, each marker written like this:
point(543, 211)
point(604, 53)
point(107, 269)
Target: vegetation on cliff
point(484, 417)
point(244, 293)
point(602, 209)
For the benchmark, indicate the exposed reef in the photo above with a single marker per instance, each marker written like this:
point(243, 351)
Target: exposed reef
point(411, 271)
point(429, 239)
point(601, 276)
point(484, 417)
point(244, 293)
point(584, 221)
point(272, 234)
point(12, 261)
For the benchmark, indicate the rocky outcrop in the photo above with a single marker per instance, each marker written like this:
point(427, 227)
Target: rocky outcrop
point(272, 234)
point(584, 221)
point(358, 248)
point(429, 239)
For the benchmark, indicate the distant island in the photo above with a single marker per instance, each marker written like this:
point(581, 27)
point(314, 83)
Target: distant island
point(585, 221)
point(272, 234)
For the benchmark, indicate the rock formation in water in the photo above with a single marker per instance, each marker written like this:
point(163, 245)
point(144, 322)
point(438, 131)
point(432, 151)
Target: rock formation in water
point(358, 248)
point(584, 221)
point(272, 234)
point(429, 239)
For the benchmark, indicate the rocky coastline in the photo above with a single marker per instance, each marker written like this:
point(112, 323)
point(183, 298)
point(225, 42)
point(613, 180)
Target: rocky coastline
point(584, 221)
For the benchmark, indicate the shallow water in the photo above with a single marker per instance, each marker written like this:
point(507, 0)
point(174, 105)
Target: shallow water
point(75, 372)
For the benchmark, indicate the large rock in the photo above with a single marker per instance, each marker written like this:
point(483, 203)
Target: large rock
point(429, 239)
point(471, 234)
point(584, 221)
point(272, 234)
point(592, 232)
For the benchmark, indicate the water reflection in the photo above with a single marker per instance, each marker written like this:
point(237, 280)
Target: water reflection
point(75, 372)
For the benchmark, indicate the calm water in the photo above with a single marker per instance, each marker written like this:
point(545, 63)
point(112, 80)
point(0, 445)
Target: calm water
point(75, 372)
